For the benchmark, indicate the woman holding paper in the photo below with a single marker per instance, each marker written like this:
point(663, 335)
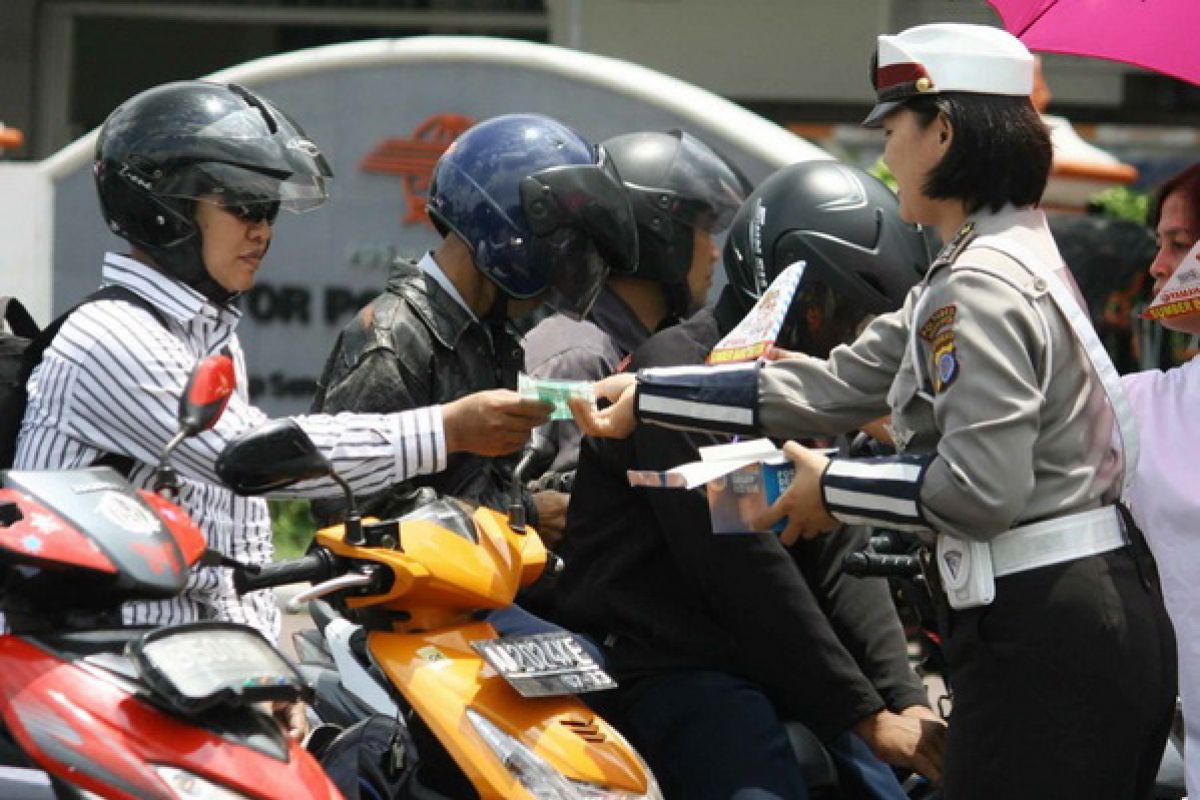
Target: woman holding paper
point(1164, 499)
point(1061, 656)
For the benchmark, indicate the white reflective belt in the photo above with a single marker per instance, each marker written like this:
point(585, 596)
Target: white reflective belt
point(1086, 334)
point(1057, 540)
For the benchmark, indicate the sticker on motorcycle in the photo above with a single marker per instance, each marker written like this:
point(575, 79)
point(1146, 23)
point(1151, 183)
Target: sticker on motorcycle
point(544, 664)
point(128, 513)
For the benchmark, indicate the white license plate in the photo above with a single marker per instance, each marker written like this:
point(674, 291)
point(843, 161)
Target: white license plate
point(544, 664)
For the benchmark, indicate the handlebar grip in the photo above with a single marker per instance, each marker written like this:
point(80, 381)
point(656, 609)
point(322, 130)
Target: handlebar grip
point(316, 566)
point(863, 564)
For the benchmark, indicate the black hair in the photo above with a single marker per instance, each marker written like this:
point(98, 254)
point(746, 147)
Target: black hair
point(1186, 182)
point(1000, 152)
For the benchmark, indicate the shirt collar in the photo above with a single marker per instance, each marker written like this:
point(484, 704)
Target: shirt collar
point(175, 298)
point(613, 315)
point(430, 266)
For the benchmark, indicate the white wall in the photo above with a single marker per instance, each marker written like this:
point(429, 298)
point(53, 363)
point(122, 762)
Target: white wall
point(26, 224)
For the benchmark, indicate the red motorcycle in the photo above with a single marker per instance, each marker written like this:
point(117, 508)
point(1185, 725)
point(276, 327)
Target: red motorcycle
point(99, 710)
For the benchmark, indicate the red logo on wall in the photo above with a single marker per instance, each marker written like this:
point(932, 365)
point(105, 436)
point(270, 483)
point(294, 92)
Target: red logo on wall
point(413, 159)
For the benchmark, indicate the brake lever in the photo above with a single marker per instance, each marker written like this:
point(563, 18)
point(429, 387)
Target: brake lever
point(347, 581)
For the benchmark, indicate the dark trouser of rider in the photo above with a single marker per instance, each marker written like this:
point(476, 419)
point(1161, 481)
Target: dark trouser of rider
point(713, 736)
point(516, 621)
point(1064, 687)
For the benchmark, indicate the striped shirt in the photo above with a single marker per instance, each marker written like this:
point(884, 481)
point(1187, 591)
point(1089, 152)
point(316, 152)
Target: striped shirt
point(110, 382)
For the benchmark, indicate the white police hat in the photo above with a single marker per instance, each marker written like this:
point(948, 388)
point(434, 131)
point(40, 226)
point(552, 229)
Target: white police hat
point(947, 57)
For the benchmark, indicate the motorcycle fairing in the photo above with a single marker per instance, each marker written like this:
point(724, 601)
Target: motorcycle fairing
point(94, 734)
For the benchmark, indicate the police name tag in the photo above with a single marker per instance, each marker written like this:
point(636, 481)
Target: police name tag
point(544, 664)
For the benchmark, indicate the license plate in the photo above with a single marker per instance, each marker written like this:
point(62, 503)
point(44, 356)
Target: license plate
point(544, 664)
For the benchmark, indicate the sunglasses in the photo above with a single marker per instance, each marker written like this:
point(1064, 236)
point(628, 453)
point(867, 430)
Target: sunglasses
point(254, 213)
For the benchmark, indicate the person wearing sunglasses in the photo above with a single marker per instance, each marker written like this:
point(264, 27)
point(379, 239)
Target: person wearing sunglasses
point(192, 175)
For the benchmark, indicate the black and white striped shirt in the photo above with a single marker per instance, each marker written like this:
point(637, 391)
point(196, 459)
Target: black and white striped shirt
point(110, 383)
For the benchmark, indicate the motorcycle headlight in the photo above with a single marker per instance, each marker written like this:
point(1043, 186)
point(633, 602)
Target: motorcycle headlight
point(538, 777)
point(187, 786)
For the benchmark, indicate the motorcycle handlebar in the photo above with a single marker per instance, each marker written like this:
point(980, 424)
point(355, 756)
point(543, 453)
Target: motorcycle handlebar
point(316, 566)
point(863, 564)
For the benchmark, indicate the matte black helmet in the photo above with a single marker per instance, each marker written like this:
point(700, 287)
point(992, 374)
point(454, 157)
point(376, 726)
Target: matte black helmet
point(540, 208)
point(861, 257)
point(162, 150)
point(676, 183)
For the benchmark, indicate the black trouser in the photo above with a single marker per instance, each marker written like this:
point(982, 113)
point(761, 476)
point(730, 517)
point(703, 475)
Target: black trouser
point(1064, 687)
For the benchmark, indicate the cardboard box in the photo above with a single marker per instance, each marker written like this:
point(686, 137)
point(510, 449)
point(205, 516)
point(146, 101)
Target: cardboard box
point(742, 479)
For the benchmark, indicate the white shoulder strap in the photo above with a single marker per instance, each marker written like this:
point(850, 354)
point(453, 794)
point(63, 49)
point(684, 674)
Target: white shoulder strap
point(1102, 365)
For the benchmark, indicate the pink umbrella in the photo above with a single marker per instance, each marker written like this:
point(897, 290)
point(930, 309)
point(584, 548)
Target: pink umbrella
point(1154, 34)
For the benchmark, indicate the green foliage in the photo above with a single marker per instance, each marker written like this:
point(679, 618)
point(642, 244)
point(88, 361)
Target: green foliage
point(293, 526)
point(881, 171)
point(1121, 202)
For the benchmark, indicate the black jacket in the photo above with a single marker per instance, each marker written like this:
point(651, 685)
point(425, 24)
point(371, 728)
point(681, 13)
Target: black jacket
point(645, 574)
point(415, 345)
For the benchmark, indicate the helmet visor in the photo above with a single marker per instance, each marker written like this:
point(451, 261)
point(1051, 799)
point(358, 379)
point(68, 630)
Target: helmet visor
point(258, 155)
point(820, 318)
point(589, 198)
point(231, 185)
point(699, 189)
point(573, 289)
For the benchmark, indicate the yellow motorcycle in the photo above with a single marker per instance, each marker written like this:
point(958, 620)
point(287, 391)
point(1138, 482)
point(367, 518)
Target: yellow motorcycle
point(487, 715)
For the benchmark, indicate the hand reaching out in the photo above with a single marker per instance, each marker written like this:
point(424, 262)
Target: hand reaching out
point(619, 419)
point(491, 423)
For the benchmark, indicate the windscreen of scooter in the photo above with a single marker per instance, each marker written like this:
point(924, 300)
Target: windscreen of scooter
point(200, 665)
point(449, 514)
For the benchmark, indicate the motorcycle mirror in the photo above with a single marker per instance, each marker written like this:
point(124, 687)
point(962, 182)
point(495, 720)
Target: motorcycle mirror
point(539, 452)
point(270, 457)
point(204, 399)
point(207, 394)
point(536, 457)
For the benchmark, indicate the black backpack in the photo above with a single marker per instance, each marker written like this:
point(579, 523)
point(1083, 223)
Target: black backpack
point(21, 351)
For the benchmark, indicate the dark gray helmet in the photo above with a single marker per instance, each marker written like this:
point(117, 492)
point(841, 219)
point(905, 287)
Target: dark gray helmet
point(861, 257)
point(676, 183)
point(165, 148)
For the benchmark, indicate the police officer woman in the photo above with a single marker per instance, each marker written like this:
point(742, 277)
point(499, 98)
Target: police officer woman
point(1060, 653)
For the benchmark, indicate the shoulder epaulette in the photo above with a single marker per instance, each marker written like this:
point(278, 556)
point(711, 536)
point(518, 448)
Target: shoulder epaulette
point(953, 249)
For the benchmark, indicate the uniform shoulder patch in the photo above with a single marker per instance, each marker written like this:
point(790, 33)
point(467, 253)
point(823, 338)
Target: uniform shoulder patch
point(938, 322)
point(944, 366)
point(938, 331)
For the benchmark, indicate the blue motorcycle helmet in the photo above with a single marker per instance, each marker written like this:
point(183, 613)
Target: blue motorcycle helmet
point(541, 210)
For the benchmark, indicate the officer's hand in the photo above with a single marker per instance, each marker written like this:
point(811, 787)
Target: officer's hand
point(619, 419)
point(878, 429)
point(801, 503)
point(491, 423)
point(906, 742)
point(552, 515)
point(779, 354)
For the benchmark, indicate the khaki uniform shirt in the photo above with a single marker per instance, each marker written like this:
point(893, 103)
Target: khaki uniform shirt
point(997, 415)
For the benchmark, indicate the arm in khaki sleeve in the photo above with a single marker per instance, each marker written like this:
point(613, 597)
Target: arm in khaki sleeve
point(808, 396)
point(989, 412)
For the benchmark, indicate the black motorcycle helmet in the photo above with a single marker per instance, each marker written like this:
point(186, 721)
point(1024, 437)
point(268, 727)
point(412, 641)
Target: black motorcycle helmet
point(163, 149)
point(675, 183)
point(861, 257)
